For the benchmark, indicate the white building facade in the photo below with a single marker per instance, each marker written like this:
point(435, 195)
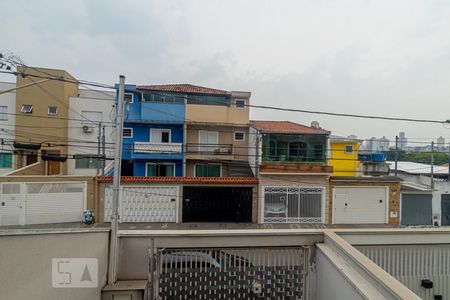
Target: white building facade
point(87, 111)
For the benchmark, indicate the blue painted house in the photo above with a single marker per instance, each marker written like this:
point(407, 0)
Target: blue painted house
point(153, 134)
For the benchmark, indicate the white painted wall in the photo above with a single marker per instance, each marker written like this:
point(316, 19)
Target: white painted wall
point(252, 151)
point(7, 127)
point(89, 100)
point(28, 259)
point(331, 283)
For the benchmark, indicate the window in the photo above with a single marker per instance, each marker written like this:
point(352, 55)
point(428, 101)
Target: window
point(86, 162)
point(3, 113)
point(52, 110)
point(159, 97)
point(319, 152)
point(348, 149)
point(297, 151)
point(10, 188)
point(240, 103)
point(127, 132)
point(90, 117)
point(26, 108)
point(209, 100)
point(293, 204)
point(160, 169)
point(159, 135)
point(128, 98)
point(208, 170)
point(208, 141)
point(5, 160)
point(239, 136)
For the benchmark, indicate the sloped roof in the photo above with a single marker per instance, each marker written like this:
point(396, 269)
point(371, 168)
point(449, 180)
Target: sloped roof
point(183, 88)
point(337, 138)
point(417, 168)
point(285, 127)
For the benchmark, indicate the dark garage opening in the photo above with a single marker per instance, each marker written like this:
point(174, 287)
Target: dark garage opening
point(217, 204)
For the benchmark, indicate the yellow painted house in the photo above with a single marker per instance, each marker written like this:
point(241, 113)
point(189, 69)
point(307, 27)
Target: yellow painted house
point(344, 156)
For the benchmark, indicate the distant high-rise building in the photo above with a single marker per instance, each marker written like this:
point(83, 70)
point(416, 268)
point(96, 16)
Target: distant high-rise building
point(383, 144)
point(372, 144)
point(441, 142)
point(402, 140)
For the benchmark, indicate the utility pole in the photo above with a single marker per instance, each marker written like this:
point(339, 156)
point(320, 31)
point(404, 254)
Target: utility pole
point(432, 164)
point(396, 154)
point(103, 151)
point(257, 140)
point(113, 247)
point(99, 141)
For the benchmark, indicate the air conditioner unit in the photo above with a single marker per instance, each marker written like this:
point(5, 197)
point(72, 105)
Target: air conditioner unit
point(87, 129)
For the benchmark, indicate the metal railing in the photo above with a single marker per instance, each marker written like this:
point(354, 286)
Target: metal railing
point(149, 147)
point(209, 149)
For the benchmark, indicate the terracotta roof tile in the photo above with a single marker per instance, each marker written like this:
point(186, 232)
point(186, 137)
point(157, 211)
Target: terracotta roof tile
point(226, 180)
point(285, 127)
point(183, 88)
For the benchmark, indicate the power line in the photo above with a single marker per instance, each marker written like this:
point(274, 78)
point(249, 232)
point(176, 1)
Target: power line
point(248, 105)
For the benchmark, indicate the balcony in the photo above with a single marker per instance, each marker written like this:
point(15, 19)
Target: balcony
point(294, 167)
point(209, 151)
point(158, 148)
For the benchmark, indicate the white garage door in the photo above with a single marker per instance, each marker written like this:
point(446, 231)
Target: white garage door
point(144, 204)
point(360, 205)
point(40, 203)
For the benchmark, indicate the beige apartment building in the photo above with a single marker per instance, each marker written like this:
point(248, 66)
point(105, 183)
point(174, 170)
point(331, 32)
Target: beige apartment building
point(42, 112)
point(217, 136)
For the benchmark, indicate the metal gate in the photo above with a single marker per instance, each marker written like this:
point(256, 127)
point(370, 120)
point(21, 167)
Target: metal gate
point(416, 209)
point(41, 202)
point(293, 205)
point(217, 204)
point(445, 209)
point(228, 273)
point(144, 204)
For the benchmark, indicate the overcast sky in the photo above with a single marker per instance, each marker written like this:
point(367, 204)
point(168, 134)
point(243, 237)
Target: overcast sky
point(388, 58)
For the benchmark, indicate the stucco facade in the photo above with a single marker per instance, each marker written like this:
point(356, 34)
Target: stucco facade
point(85, 142)
point(38, 125)
point(344, 157)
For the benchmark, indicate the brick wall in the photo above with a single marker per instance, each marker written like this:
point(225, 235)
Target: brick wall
point(394, 197)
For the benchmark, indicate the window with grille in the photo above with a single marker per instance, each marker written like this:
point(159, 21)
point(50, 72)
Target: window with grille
point(127, 132)
point(240, 103)
point(293, 205)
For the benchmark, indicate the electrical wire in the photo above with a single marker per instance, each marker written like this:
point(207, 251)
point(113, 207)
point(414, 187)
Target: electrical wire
point(247, 105)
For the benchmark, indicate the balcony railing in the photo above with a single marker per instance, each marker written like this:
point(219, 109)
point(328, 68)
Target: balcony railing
point(164, 148)
point(209, 149)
